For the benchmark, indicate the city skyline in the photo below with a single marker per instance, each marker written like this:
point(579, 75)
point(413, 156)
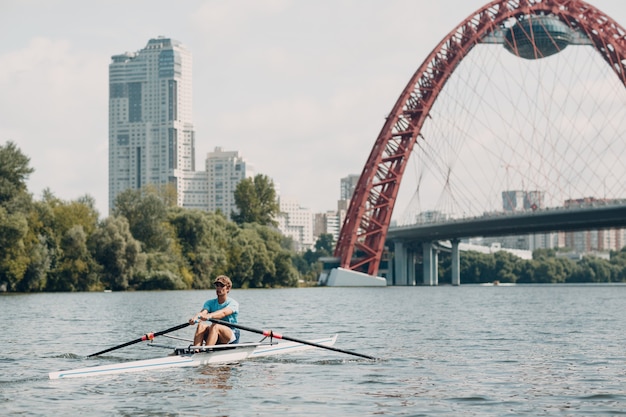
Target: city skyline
point(300, 89)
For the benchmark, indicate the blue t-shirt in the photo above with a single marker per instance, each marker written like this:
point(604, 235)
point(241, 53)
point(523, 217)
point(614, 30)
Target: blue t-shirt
point(212, 306)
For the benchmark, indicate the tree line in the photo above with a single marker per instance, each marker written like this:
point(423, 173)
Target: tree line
point(146, 243)
point(545, 267)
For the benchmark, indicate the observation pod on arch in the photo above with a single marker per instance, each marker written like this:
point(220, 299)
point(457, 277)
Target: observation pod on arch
point(537, 36)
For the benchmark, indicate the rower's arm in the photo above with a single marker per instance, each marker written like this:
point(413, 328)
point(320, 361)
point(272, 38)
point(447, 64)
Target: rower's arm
point(220, 314)
point(205, 315)
point(202, 314)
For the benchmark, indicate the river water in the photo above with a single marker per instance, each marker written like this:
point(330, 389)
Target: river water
point(548, 350)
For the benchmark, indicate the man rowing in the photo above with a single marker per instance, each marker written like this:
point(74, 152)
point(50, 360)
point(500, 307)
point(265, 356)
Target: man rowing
point(221, 308)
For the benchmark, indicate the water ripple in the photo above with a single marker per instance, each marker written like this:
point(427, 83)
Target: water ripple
point(522, 351)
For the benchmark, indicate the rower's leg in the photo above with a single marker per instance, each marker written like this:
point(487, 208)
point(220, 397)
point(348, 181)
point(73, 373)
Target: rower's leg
point(201, 334)
point(212, 335)
point(219, 333)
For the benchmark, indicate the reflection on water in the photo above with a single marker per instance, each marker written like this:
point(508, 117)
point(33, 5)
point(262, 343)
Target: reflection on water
point(216, 377)
point(469, 350)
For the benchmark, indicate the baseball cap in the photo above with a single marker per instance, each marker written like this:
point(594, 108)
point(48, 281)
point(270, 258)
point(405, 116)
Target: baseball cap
point(224, 280)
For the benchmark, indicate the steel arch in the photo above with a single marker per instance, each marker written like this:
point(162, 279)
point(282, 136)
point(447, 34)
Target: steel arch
point(362, 238)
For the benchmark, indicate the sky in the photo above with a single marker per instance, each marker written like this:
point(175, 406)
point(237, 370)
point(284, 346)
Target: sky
point(300, 88)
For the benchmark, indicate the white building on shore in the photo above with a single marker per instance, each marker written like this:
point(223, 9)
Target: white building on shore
point(224, 170)
point(296, 222)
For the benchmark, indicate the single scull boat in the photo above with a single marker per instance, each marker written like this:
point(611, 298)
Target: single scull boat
point(189, 357)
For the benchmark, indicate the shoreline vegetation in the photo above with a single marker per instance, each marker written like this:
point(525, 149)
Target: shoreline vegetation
point(545, 267)
point(148, 243)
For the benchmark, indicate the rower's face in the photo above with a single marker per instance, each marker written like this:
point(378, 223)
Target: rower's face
point(221, 289)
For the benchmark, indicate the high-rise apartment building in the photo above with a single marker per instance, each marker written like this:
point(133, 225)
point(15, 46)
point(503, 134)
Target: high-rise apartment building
point(224, 170)
point(347, 186)
point(296, 222)
point(151, 134)
point(522, 200)
point(594, 240)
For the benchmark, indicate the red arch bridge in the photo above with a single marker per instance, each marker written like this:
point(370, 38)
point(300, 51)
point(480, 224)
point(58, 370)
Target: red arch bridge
point(531, 30)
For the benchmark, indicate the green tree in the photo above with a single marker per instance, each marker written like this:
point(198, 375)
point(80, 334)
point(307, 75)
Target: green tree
point(146, 214)
point(77, 270)
point(476, 267)
point(14, 258)
point(284, 273)
point(618, 261)
point(64, 215)
point(526, 272)
point(599, 270)
point(164, 271)
point(117, 251)
point(548, 270)
point(507, 266)
point(256, 258)
point(307, 264)
point(248, 260)
point(14, 172)
point(256, 201)
point(203, 240)
point(543, 254)
point(36, 274)
point(15, 203)
point(167, 193)
point(325, 244)
point(43, 247)
point(50, 220)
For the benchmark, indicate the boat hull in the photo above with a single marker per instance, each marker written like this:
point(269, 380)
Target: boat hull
point(218, 354)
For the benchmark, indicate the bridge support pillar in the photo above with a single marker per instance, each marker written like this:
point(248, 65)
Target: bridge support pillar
point(456, 272)
point(400, 264)
point(431, 271)
point(412, 261)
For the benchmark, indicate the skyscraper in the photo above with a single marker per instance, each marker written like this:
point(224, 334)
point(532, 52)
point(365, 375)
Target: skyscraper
point(347, 186)
point(151, 134)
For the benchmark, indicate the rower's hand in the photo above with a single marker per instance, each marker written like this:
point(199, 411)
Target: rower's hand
point(201, 316)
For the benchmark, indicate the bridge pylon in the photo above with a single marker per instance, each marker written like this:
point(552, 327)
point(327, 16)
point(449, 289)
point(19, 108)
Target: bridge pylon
point(431, 264)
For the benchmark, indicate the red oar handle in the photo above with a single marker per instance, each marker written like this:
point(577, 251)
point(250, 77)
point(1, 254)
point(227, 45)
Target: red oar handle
point(270, 333)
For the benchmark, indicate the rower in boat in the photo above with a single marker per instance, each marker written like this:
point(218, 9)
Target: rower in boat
point(218, 330)
point(221, 308)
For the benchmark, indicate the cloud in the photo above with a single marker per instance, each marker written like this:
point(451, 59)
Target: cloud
point(55, 110)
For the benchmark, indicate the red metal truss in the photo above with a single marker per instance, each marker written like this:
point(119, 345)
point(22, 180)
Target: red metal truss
point(362, 238)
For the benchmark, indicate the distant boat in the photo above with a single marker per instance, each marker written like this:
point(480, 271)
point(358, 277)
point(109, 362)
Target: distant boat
point(497, 283)
point(108, 291)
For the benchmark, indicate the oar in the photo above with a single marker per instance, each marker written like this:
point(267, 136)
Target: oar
point(270, 333)
point(147, 336)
